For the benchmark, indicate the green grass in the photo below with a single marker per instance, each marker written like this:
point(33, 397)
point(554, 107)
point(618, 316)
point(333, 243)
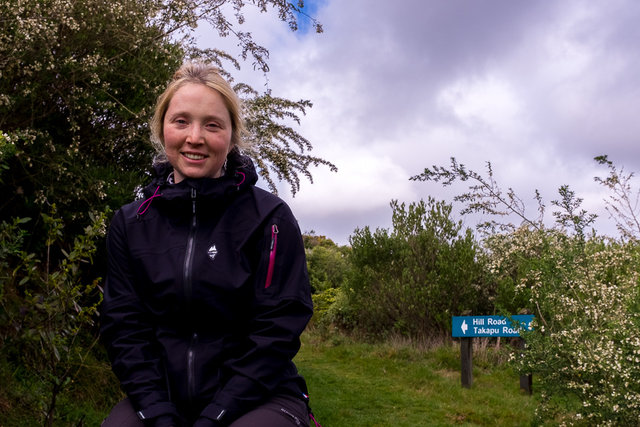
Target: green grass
point(355, 384)
point(351, 384)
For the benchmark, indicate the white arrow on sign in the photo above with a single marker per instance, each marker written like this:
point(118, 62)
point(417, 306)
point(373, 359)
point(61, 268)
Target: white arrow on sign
point(464, 327)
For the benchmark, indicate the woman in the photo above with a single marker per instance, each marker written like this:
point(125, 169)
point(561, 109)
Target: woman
point(207, 291)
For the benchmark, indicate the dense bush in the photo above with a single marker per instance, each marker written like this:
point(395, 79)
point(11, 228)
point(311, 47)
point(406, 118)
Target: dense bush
point(328, 265)
point(327, 262)
point(411, 279)
point(47, 309)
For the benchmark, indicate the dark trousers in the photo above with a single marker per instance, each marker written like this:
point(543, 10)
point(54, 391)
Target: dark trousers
point(279, 411)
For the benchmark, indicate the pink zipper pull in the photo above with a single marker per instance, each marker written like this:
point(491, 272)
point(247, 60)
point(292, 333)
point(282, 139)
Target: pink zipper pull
point(272, 255)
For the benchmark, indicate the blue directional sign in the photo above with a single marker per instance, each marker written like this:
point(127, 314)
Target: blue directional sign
point(490, 326)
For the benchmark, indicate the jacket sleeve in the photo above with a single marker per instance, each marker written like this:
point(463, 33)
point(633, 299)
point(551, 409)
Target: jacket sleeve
point(127, 332)
point(281, 311)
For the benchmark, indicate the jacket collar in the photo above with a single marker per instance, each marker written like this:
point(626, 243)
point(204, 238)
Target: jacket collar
point(240, 174)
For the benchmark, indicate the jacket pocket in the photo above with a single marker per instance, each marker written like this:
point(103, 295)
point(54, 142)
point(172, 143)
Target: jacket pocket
point(272, 255)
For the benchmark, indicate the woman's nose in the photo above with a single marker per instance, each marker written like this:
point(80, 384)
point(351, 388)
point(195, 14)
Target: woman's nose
point(196, 135)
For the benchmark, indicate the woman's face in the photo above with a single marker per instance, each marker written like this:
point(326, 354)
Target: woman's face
point(197, 132)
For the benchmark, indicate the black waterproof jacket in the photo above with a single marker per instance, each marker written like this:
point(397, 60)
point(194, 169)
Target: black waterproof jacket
point(206, 296)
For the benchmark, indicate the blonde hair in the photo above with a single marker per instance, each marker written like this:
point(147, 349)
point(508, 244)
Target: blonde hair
point(207, 75)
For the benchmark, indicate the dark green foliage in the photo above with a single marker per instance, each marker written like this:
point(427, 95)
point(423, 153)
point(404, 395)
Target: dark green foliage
point(412, 279)
point(327, 262)
point(328, 266)
point(47, 309)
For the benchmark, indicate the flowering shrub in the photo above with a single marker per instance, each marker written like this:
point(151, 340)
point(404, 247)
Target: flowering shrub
point(78, 83)
point(585, 348)
point(584, 290)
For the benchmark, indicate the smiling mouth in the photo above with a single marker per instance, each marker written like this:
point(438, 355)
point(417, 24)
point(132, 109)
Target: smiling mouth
point(193, 156)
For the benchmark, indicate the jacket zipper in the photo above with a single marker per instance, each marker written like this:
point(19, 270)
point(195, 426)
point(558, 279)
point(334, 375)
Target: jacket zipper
point(188, 292)
point(191, 368)
point(188, 258)
point(272, 255)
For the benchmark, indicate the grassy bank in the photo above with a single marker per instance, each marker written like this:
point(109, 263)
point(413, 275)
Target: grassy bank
point(355, 384)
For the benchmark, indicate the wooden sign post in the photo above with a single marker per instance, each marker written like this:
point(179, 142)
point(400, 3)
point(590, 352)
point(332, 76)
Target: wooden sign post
point(466, 361)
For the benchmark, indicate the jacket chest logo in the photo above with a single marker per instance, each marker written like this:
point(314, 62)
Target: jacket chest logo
point(212, 252)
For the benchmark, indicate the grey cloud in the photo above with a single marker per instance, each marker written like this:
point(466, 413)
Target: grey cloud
point(376, 74)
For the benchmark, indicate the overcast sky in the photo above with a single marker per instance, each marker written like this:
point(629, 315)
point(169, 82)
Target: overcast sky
point(538, 88)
